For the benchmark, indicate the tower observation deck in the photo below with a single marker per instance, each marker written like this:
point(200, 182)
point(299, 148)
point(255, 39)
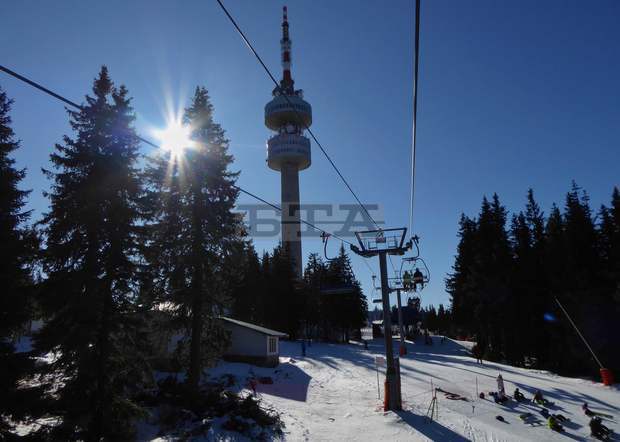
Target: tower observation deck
point(288, 151)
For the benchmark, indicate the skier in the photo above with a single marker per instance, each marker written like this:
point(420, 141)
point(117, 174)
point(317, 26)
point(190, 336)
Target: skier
point(554, 424)
point(303, 347)
point(476, 351)
point(598, 430)
point(518, 395)
point(501, 392)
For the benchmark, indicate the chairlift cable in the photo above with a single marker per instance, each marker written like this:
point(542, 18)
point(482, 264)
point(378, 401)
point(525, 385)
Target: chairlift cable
point(415, 109)
point(150, 143)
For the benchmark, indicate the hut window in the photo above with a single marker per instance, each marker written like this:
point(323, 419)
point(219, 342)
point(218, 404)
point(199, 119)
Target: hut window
point(273, 344)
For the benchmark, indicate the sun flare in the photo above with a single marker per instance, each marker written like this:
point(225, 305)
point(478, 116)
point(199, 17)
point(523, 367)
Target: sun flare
point(175, 137)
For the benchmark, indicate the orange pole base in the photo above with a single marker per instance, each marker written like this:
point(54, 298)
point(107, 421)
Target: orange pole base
point(386, 396)
point(607, 377)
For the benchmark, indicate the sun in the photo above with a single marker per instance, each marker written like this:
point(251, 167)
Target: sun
point(175, 137)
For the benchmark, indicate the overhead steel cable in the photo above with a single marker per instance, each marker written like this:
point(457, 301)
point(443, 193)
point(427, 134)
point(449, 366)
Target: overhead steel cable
point(55, 95)
point(275, 82)
point(415, 110)
point(150, 143)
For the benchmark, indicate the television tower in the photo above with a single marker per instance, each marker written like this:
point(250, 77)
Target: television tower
point(288, 151)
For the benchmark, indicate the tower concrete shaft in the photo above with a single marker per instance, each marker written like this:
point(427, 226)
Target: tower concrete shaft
point(288, 151)
point(291, 228)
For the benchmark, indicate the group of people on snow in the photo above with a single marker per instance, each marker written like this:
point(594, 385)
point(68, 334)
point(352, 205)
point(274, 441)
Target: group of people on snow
point(554, 421)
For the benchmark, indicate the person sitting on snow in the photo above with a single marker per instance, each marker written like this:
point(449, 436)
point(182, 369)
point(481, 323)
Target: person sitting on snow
point(554, 424)
point(497, 397)
point(539, 399)
point(518, 395)
point(597, 429)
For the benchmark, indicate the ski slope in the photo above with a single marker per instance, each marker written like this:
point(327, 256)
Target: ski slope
point(331, 395)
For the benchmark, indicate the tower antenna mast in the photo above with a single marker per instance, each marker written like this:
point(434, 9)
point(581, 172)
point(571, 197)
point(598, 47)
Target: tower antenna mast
point(288, 151)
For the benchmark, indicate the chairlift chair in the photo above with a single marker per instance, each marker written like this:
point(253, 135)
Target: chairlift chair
point(416, 276)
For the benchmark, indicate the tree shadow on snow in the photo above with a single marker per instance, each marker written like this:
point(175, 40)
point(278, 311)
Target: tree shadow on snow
point(290, 382)
point(433, 430)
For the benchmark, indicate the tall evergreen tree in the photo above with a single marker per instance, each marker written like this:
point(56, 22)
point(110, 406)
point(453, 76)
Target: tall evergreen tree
point(195, 231)
point(460, 283)
point(535, 289)
point(609, 252)
point(244, 265)
point(520, 302)
point(505, 292)
point(311, 312)
point(581, 290)
point(283, 301)
point(16, 254)
point(346, 311)
point(91, 243)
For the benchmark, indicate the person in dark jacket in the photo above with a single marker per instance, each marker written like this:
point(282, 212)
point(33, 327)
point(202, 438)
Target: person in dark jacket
point(597, 429)
point(418, 279)
point(519, 397)
point(476, 351)
point(539, 399)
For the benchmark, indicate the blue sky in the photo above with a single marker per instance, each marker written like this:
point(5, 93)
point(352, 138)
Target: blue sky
point(512, 95)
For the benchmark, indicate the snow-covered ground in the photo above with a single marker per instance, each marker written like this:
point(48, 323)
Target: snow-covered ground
point(331, 395)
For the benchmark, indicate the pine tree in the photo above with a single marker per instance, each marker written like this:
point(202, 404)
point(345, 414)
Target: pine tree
point(442, 319)
point(505, 292)
point(91, 243)
point(345, 311)
point(609, 243)
point(283, 301)
point(520, 301)
point(194, 232)
point(581, 293)
point(535, 286)
point(244, 265)
point(311, 312)
point(460, 283)
point(430, 318)
point(16, 254)
point(609, 252)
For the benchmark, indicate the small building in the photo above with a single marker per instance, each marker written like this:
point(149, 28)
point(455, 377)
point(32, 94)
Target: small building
point(252, 343)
